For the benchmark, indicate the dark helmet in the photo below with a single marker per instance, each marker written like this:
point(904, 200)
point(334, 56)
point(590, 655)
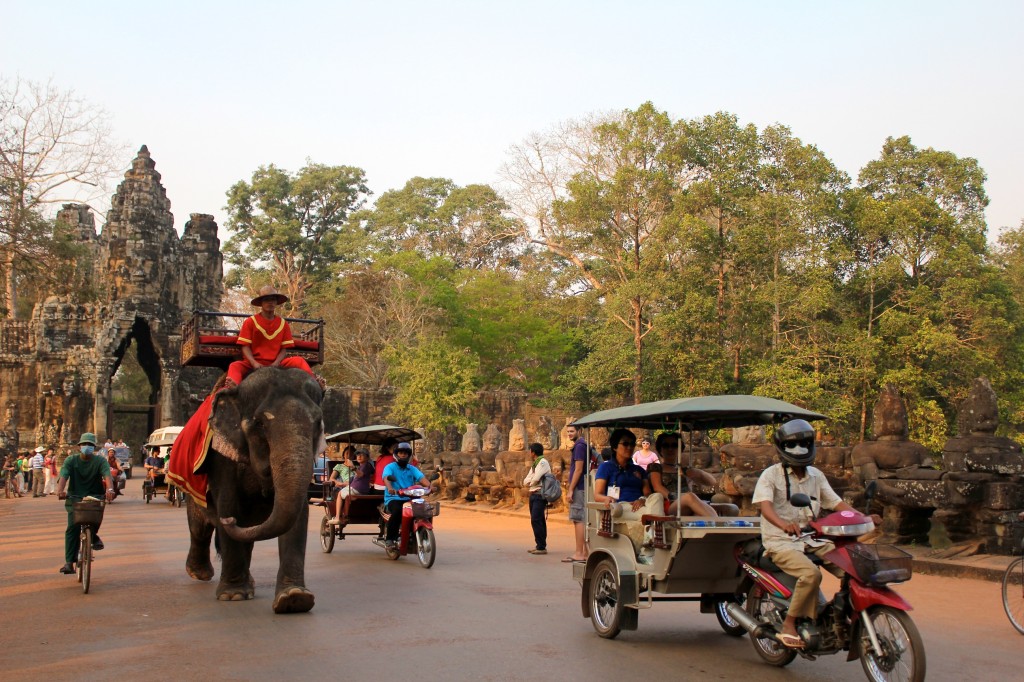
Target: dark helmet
point(403, 453)
point(794, 441)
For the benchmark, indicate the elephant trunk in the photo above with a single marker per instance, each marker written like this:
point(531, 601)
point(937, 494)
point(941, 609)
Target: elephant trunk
point(291, 474)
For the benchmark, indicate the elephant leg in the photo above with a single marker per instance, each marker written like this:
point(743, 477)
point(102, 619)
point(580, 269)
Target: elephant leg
point(236, 582)
point(200, 530)
point(291, 593)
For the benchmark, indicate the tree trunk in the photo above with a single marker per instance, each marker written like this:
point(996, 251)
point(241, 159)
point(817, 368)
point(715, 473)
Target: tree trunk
point(638, 344)
point(11, 285)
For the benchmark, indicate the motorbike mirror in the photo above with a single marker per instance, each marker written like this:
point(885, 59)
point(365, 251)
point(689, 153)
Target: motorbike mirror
point(800, 500)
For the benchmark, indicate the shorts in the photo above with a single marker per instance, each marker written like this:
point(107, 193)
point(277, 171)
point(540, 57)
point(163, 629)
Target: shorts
point(577, 508)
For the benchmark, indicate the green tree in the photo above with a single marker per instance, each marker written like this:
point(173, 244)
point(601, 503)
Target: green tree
point(614, 192)
point(948, 314)
point(469, 226)
point(293, 229)
point(723, 160)
point(435, 383)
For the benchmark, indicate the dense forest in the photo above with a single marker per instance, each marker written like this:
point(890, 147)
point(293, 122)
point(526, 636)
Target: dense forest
point(634, 257)
point(620, 258)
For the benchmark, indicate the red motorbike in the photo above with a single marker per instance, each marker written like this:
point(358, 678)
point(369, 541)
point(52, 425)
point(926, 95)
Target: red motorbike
point(865, 617)
point(417, 531)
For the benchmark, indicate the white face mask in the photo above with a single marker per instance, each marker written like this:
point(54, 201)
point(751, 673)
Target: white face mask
point(797, 450)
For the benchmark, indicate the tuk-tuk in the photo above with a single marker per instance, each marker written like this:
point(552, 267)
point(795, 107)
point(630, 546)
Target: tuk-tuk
point(159, 444)
point(364, 510)
point(693, 557)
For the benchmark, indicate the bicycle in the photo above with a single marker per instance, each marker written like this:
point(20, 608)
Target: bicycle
point(1013, 590)
point(87, 514)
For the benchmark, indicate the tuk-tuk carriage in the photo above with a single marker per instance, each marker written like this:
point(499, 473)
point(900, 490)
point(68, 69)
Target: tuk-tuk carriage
point(364, 510)
point(693, 557)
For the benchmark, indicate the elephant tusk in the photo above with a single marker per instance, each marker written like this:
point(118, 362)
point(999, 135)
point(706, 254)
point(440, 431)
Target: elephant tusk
point(269, 416)
point(230, 521)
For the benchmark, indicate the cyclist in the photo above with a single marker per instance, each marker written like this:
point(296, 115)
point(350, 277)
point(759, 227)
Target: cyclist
point(83, 475)
point(397, 475)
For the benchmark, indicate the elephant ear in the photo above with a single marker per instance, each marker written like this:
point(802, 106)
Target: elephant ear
point(226, 425)
point(313, 390)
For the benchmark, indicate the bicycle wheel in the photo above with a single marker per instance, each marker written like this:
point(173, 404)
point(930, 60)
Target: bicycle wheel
point(1013, 593)
point(85, 558)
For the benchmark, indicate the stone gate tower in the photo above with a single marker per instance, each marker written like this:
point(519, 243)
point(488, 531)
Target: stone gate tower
point(56, 369)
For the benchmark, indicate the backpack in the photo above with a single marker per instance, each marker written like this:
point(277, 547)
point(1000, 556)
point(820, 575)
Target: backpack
point(550, 488)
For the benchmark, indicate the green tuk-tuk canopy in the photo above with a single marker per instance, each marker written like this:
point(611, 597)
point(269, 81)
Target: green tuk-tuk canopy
point(699, 414)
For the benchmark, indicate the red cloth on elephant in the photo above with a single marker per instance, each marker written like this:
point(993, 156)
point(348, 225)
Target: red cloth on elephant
point(189, 452)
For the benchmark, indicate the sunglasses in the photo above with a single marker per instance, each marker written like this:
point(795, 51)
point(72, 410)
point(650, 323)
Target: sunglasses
point(627, 443)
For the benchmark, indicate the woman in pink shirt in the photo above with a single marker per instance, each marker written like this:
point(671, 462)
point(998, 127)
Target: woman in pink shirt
point(645, 455)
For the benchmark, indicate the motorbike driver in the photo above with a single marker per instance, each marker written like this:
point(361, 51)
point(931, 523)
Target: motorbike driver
point(398, 475)
point(794, 443)
point(83, 475)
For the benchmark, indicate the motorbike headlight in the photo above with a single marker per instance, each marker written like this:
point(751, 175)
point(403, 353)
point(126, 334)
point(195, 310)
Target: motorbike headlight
point(849, 530)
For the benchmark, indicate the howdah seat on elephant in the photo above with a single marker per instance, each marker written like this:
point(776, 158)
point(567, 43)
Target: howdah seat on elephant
point(209, 339)
point(264, 436)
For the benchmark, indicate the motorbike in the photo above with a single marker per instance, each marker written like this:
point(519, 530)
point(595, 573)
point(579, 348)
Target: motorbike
point(865, 617)
point(417, 530)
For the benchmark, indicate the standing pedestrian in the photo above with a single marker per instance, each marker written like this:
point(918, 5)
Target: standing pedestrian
point(26, 472)
point(577, 505)
point(10, 477)
point(19, 473)
point(38, 478)
point(538, 505)
point(50, 462)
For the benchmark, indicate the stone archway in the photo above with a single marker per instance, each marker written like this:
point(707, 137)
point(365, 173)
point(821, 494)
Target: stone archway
point(133, 420)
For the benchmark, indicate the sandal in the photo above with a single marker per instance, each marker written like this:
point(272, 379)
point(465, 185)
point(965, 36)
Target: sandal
point(790, 641)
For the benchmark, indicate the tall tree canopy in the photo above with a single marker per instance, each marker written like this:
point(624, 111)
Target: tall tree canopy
point(54, 148)
point(291, 229)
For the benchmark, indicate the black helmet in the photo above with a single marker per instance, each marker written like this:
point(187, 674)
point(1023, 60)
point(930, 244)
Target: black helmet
point(795, 442)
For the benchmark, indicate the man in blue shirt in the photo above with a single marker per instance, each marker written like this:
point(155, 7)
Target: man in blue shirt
point(621, 482)
point(399, 475)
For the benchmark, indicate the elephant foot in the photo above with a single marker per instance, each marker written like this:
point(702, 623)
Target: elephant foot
point(236, 592)
point(199, 570)
point(293, 600)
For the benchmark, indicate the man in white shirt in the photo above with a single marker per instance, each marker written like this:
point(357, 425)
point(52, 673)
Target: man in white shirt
point(794, 442)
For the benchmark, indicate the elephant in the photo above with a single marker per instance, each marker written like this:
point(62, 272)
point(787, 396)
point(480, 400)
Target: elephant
point(266, 432)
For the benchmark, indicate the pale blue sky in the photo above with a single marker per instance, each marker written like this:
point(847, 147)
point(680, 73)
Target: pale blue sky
point(444, 88)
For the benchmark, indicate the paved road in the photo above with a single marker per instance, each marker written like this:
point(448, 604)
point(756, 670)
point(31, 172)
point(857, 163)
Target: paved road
point(487, 610)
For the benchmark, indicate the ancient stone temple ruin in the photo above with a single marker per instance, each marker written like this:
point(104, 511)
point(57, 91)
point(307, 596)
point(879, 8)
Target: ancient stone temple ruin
point(56, 368)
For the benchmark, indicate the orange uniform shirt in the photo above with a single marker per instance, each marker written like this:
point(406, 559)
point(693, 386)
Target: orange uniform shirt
point(265, 339)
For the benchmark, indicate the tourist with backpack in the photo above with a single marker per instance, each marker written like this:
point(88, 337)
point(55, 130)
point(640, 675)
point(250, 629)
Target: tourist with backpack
point(538, 505)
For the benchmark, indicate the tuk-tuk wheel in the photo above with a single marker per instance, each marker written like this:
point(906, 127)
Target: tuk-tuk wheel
point(606, 608)
point(326, 535)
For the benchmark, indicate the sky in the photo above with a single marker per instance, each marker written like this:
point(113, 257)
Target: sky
point(443, 89)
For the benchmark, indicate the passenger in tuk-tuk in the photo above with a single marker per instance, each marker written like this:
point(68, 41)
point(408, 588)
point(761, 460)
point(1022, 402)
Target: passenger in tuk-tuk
point(663, 480)
point(626, 488)
point(361, 483)
point(117, 476)
point(341, 476)
point(154, 466)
